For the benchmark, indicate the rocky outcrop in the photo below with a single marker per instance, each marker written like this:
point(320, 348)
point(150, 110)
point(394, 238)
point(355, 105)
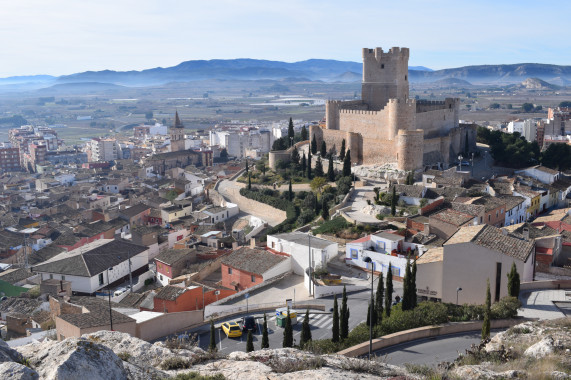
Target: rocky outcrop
point(8, 354)
point(16, 371)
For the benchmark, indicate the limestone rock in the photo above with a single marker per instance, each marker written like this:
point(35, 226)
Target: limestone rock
point(78, 358)
point(480, 372)
point(558, 375)
point(17, 371)
point(540, 349)
point(8, 354)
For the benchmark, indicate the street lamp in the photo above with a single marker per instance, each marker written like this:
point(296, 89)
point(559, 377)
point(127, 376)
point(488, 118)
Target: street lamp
point(309, 256)
point(109, 296)
point(458, 290)
point(472, 164)
point(369, 260)
point(354, 174)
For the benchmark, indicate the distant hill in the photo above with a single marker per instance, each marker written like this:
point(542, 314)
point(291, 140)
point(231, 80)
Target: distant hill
point(538, 84)
point(27, 79)
point(79, 88)
point(454, 82)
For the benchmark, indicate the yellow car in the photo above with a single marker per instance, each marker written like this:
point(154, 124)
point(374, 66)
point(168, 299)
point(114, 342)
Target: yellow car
point(231, 329)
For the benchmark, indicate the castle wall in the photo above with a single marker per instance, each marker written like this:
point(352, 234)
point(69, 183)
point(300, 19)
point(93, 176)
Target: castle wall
point(378, 151)
point(410, 146)
point(332, 108)
point(372, 124)
point(436, 122)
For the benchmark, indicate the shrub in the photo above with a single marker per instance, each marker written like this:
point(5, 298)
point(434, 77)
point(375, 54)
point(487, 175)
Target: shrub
point(287, 366)
point(149, 281)
point(425, 314)
point(197, 376)
point(506, 308)
point(124, 355)
point(176, 363)
point(331, 226)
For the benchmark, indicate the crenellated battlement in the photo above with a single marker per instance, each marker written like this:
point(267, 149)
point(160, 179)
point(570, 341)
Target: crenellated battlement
point(358, 112)
point(393, 53)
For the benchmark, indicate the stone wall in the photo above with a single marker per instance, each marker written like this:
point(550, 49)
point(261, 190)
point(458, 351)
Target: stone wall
point(410, 149)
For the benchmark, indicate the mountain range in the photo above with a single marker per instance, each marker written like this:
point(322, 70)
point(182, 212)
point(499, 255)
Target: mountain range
point(310, 70)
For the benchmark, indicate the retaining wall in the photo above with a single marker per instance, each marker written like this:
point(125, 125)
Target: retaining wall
point(552, 284)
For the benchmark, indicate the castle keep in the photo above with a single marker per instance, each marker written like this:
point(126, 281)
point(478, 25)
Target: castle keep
point(387, 126)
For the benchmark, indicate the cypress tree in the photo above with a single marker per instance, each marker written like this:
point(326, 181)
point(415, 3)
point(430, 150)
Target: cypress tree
point(249, 182)
point(347, 164)
point(265, 339)
point(335, 327)
point(389, 291)
point(406, 288)
point(323, 149)
point(487, 312)
point(247, 168)
point(318, 170)
point(250, 342)
point(324, 210)
point(304, 133)
point(330, 170)
point(288, 332)
point(342, 152)
point(379, 298)
point(305, 330)
point(309, 165)
point(212, 345)
point(294, 156)
point(314, 145)
point(513, 282)
point(290, 192)
point(372, 314)
point(303, 163)
point(413, 298)
point(344, 329)
point(290, 132)
point(394, 201)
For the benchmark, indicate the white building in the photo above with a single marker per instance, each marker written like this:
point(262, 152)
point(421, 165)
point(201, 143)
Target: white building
point(516, 126)
point(297, 246)
point(221, 213)
point(96, 265)
point(103, 150)
point(541, 173)
point(515, 209)
point(530, 130)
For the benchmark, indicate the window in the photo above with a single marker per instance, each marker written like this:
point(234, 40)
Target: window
point(100, 278)
point(51, 276)
point(498, 281)
point(253, 278)
point(273, 244)
point(382, 65)
point(161, 277)
point(63, 278)
point(229, 270)
point(354, 254)
point(489, 217)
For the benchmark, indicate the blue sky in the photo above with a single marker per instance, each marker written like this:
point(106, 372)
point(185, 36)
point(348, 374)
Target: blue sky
point(67, 36)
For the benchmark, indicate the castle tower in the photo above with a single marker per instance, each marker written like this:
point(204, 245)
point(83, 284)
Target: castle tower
point(385, 76)
point(176, 133)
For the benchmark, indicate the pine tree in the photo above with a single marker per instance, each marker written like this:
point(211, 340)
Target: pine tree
point(394, 201)
point(389, 291)
point(295, 156)
point(318, 170)
point(313, 145)
point(342, 152)
point(330, 170)
point(513, 282)
point(487, 312)
point(309, 165)
point(288, 332)
point(249, 182)
point(290, 191)
point(347, 164)
point(265, 339)
point(406, 288)
point(335, 328)
point(413, 297)
point(304, 134)
point(305, 330)
point(212, 345)
point(303, 163)
point(344, 328)
point(290, 132)
point(323, 149)
point(379, 298)
point(250, 342)
point(324, 210)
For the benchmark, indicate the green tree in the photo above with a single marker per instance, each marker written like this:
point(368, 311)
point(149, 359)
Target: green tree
point(288, 332)
point(372, 314)
point(323, 148)
point(250, 342)
point(330, 170)
point(513, 282)
point(409, 178)
point(249, 181)
point(379, 298)
point(406, 288)
point(247, 167)
point(335, 328)
point(347, 164)
point(342, 152)
point(527, 107)
point(149, 115)
point(317, 184)
point(557, 156)
point(290, 132)
point(305, 330)
point(389, 291)
point(487, 312)
point(224, 155)
point(290, 191)
point(413, 297)
point(212, 345)
point(171, 195)
point(324, 208)
point(309, 165)
point(295, 156)
point(394, 201)
point(314, 145)
point(344, 328)
point(565, 104)
point(265, 339)
point(303, 163)
point(304, 134)
point(318, 170)
point(495, 106)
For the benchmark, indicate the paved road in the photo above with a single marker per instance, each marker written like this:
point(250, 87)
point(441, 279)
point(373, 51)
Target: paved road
point(430, 351)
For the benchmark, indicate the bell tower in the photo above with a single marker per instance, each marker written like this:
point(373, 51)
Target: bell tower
point(176, 133)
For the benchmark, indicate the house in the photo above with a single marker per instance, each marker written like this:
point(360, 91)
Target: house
point(220, 214)
point(494, 209)
point(247, 267)
point(96, 265)
point(172, 262)
point(383, 248)
point(136, 215)
point(445, 223)
point(174, 213)
point(297, 246)
point(541, 173)
point(532, 199)
point(172, 299)
point(515, 209)
point(470, 257)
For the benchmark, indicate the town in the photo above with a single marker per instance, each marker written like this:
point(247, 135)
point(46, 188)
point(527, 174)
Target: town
point(233, 233)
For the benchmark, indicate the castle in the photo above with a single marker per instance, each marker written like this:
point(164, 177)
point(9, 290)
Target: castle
point(386, 126)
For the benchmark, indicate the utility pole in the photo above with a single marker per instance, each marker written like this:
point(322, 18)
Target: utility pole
point(309, 255)
point(130, 273)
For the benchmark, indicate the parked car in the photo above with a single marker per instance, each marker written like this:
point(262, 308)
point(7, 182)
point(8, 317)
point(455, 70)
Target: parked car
point(119, 291)
point(466, 163)
point(248, 323)
point(231, 329)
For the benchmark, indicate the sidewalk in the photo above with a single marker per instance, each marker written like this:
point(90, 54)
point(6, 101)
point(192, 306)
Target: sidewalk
point(539, 304)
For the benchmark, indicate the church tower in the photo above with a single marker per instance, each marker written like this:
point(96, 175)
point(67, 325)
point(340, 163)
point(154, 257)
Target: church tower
point(176, 133)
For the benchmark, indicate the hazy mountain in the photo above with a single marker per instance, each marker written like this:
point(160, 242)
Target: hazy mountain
point(80, 88)
point(538, 84)
point(453, 82)
point(27, 79)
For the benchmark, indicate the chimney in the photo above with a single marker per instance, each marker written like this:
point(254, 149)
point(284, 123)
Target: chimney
point(252, 243)
point(234, 245)
point(526, 233)
point(426, 229)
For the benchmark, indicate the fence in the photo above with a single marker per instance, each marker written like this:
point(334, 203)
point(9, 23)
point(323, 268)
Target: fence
point(220, 311)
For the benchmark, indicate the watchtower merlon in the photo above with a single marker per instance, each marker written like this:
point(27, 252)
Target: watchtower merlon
point(385, 76)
